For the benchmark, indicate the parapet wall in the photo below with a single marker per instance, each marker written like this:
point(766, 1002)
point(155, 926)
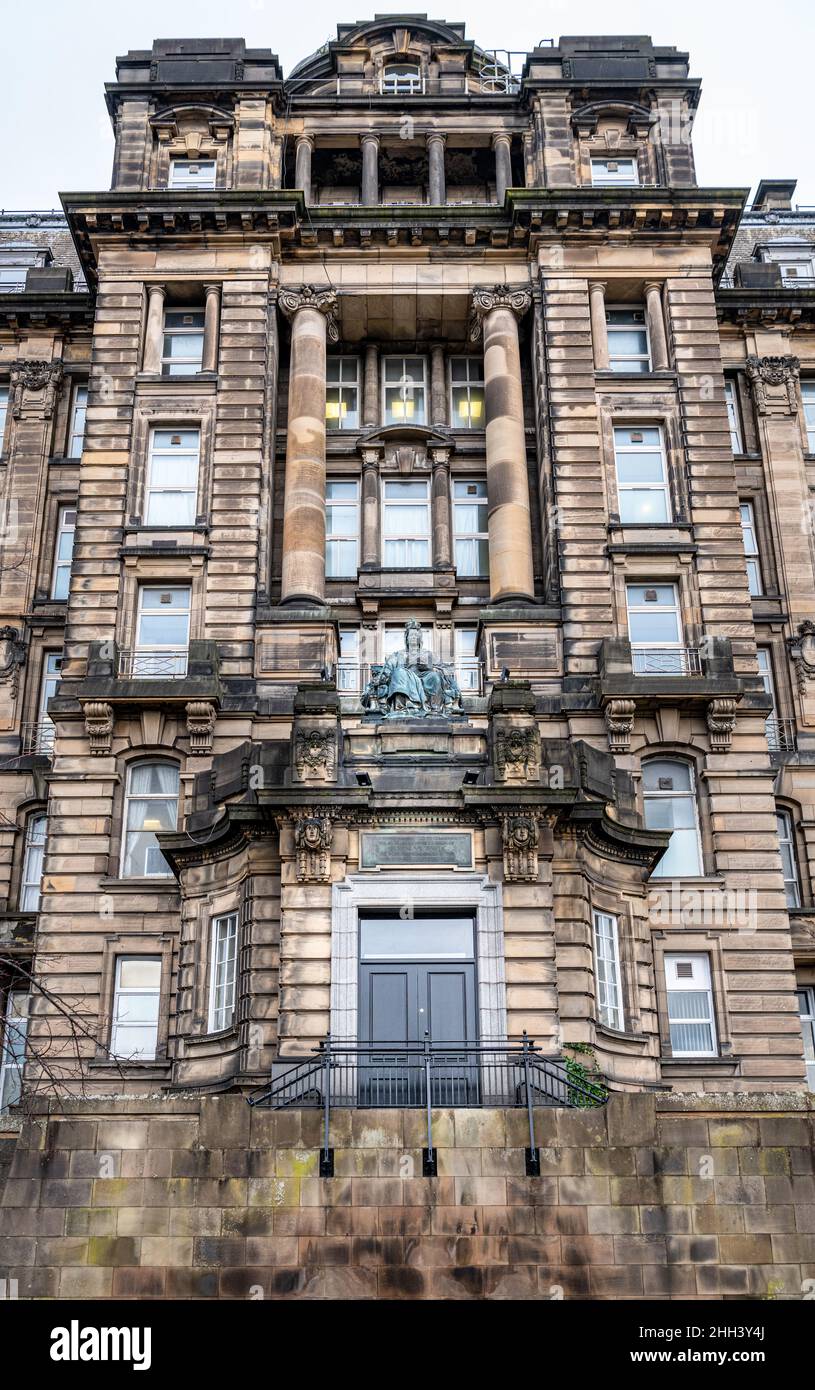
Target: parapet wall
point(653, 1196)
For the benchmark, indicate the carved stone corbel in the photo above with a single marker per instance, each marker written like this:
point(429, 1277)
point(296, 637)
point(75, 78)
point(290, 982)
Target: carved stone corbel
point(315, 755)
point(98, 726)
point(619, 716)
point(35, 374)
point(721, 721)
point(12, 657)
point(521, 836)
point(200, 726)
point(312, 843)
point(516, 752)
point(774, 384)
point(801, 648)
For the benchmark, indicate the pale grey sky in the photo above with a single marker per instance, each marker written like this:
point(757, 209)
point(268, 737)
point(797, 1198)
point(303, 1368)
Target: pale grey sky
point(755, 61)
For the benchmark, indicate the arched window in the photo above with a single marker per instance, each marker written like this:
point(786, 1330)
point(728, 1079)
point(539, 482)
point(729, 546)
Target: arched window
point(33, 855)
point(669, 803)
point(789, 859)
point(402, 79)
point(151, 805)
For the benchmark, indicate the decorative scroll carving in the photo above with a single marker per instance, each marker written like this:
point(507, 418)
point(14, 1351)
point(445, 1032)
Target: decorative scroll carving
point(521, 836)
point(517, 753)
point(312, 842)
point(12, 657)
point(310, 297)
point(200, 725)
point(98, 726)
point(315, 754)
point(411, 684)
point(801, 648)
point(721, 721)
point(518, 300)
point(35, 374)
point(620, 724)
point(774, 384)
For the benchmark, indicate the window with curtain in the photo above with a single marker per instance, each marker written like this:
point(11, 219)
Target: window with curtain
point(607, 968)
point(690, 1006)
point(669, 803)
point(137, 994)
point(151, 805)
point(172, 478)
point(79, 412)
point(182, 350)
point(733, 419)
point(406, 525)
point(341, 527)
point(33, 858)
point(789, 859)
point(63, 553)
point(628, 348)
point(748, 535)
point(642, 475)
point(404, 390)
point(224, 971)
point(470, 526)
point(342, 393)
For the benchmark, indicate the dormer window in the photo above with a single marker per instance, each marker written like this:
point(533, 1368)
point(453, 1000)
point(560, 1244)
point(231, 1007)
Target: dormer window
point(192, 173)
point(402, 79)
point(614, 173)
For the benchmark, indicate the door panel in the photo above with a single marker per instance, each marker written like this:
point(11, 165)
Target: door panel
point(389, 1004)
point(450, 1003)
point(406, 1003)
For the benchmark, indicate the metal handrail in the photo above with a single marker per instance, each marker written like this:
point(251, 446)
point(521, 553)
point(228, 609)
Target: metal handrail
point(781, 734)
point(666, 661)
point(170, 664)
point(38, 737)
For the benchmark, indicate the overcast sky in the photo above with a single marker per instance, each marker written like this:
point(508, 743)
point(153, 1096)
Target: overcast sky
point(755, 61)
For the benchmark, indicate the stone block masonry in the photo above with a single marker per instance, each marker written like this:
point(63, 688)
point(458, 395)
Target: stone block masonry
point(665, 1197)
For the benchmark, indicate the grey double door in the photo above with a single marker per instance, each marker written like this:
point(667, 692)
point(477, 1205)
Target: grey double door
point(403, 1003)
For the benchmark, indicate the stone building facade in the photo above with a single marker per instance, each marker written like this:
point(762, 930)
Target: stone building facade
point(408, 587)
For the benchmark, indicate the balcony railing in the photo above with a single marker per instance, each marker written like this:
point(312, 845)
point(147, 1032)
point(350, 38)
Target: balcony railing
point(38, 738)
point(352, 677)
point(427, 1076)
point(666, 661)
point(781, 735)
point(168, 664)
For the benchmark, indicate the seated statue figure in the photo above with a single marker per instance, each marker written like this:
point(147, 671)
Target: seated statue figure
point(411, 683)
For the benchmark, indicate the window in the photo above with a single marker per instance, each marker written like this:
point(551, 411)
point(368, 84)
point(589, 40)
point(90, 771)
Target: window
point(468, 667)
point(405, 391)
point(162, 632)
point(151, 805)
point(607, 966)
point(342, 393)
point(33, 856)
point(12, 1047)
point(3, 414)
point(63, 553)
point(733, 419)
point(642, 481)
point(470, 527)
point(655, 629)
point(406, 525)
point(12, 279)
point(134, 1035)
point(79, 410)
point(402, 79)
point(789, 860)
point(669, 803)
point(183, 347)
point(192, 173)
point(341, 528)
point(808, 396)
point(619, 173)
point(776, 732)
point(806, 1006)
point(467, 393)
point(44, 736)
point(628, 348)
point(348, 672)
point(224, 964)
point(172, 478)
point(748, 533)
point(690, 1006)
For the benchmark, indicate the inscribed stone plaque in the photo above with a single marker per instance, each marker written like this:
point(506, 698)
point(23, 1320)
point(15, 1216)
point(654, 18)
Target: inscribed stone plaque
point(416, 848)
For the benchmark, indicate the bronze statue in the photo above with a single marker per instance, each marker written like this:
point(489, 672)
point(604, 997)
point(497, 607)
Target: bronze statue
point(411, 683)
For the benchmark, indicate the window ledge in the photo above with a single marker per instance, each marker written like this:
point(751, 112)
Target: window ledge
point(728, 1066)
point(124, 885)
point(158, 1066)
point(619, 1035)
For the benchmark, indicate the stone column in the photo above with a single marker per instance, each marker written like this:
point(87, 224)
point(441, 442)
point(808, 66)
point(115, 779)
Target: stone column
point(502, 145)
point(496, 312)
point(370, 389)
point(370, 506)
point(438, 386)
point(437, 192)
point(311, 312)
point(440, 496)
point(599, 329)
point(370, 170)
point(302, 164)
point(154, 332)
point(212, 325)
point(656, 326)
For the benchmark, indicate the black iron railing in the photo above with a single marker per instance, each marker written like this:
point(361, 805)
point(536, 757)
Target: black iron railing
point(430, 1076)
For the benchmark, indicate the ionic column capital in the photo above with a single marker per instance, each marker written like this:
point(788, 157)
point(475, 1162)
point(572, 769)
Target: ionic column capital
point(517, 300)
point(369, 137)
point(501, 137)
point(304, 139)
point(310, 297)
point(438, 135)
